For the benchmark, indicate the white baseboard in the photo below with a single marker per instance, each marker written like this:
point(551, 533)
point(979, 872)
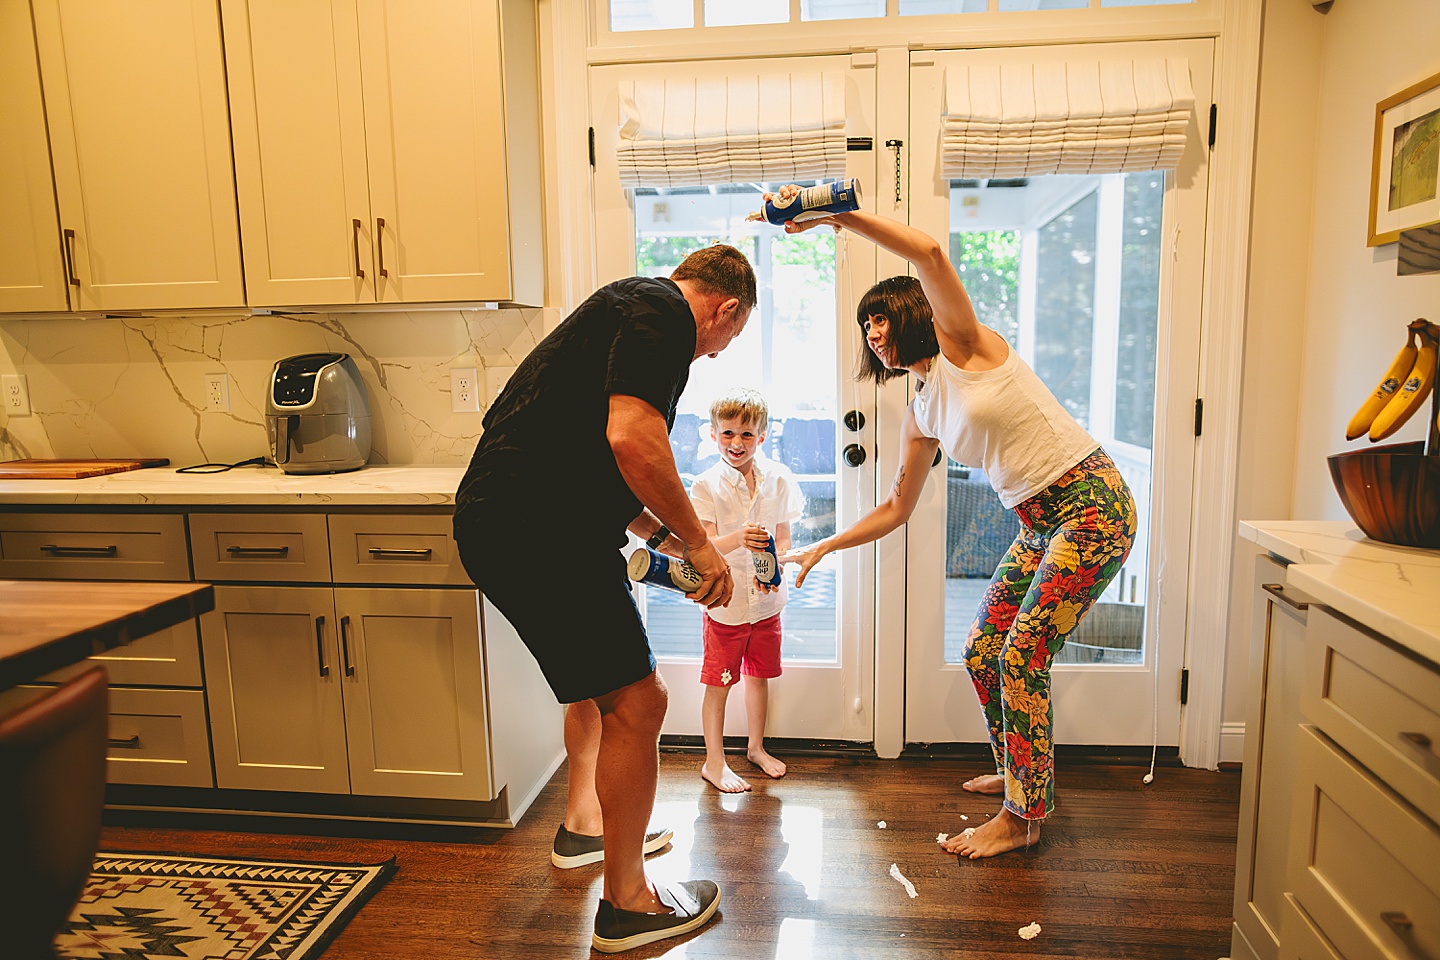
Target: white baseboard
point(1232, 742)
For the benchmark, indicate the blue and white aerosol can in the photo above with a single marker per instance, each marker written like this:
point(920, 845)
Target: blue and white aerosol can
point(648, 566)
point(767, 565)
point(821, 200)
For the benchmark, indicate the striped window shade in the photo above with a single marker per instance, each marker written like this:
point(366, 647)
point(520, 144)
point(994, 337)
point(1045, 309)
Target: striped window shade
point(1026, 119)
point(694, 132)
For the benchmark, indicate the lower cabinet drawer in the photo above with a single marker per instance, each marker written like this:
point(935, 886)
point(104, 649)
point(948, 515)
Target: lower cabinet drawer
point(158, 737)
point(260, 546)
point(395, 548)
point(1380, 705)
point(1364, 864)
point(168, 658)
point(93, 546)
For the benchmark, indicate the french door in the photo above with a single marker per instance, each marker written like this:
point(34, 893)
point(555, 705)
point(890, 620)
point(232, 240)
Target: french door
point(1096, 281)
point(799, 351)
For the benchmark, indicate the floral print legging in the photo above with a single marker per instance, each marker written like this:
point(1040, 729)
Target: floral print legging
point(1074, 537)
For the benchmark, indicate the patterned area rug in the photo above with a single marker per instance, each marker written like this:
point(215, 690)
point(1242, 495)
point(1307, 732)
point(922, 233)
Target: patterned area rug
point(144, 906)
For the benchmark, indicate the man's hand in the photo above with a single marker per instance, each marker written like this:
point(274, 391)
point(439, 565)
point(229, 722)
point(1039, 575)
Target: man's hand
point(716, 584)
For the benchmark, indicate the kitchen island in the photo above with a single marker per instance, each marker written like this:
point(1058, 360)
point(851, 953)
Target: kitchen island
point(1338, 852)
point(350, 669)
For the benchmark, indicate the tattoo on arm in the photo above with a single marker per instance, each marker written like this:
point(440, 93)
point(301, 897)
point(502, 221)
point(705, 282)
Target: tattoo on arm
point(899, 479)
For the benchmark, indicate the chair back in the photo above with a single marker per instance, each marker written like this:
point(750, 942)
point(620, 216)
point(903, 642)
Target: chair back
point(52, 792)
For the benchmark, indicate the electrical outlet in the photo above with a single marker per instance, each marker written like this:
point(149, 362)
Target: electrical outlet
point(495, 380)
point(217, 391)
point(16, 394)
point(464, 390)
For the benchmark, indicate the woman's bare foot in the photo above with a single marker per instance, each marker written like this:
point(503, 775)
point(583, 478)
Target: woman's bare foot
point(772, 767)
point(1001, 834)
point(725, 780)
point(991, 783)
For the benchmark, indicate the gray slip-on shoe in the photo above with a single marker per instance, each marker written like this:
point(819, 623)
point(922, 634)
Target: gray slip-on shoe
point(693, 903)
point(577, 849)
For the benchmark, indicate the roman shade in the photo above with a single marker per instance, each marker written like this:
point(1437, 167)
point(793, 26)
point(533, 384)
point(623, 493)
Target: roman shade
point(692, 132)
point(1026, 119)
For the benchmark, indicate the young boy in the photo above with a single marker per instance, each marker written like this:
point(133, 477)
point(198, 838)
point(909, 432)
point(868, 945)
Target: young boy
point(742, 501)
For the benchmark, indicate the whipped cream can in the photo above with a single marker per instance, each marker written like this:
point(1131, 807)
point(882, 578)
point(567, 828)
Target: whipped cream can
point(821, 200)
point(767, 565)
point(649, 566)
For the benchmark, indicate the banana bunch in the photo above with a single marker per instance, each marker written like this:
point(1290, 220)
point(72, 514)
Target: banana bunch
point(1403, 390)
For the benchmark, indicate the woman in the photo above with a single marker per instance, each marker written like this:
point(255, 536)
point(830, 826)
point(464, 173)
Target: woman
point(979, 401)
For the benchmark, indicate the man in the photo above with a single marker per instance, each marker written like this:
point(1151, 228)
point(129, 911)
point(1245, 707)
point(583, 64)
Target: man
point(576, 451)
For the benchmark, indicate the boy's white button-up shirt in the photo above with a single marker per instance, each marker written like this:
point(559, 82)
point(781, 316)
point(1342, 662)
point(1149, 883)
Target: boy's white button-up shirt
point(721, 496)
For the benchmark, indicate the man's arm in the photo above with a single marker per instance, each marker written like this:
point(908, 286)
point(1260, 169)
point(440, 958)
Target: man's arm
point(637, 435)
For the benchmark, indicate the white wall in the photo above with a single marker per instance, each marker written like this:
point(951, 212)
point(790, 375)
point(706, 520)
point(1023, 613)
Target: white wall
point(1325, 313)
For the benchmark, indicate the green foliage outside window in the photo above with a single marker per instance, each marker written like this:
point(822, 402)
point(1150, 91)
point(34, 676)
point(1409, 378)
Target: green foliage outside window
point(989, 265)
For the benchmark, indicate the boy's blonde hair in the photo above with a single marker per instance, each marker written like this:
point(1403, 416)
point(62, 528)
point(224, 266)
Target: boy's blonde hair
point(741, 404)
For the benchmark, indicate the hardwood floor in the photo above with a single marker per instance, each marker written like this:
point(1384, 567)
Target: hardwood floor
point(1123, 870)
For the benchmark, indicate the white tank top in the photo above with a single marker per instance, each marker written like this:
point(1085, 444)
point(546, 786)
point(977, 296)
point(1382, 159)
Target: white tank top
point(1004, 421)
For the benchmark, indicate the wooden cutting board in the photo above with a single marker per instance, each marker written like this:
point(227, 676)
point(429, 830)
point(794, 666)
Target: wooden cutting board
point(72, 469)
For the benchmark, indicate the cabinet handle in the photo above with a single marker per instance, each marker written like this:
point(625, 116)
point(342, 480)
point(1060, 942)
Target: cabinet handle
point(60, 550)
point(355, 239)
point(320, 646)
point(70, 277)
point(123, 742)
point(419, 553)
point(1277, 590)
point(345, 646)
point(380, 244)
point(1424, 748)
point(258, 551)
point(1404, 929)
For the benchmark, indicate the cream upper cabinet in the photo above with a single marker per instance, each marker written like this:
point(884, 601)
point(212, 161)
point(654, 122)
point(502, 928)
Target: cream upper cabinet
point(386, 152)
point(32, 275)
point(135, 102)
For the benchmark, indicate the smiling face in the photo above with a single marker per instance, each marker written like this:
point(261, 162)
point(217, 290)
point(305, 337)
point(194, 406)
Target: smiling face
point(737, 441)
point(877, 338)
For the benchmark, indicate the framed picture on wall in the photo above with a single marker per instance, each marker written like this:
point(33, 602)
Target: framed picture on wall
point(1405, 175)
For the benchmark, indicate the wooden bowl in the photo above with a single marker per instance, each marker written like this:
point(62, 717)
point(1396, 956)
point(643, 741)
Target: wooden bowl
point(1392, 492)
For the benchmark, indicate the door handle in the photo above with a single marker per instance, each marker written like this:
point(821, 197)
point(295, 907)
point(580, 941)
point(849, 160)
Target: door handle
point(345, 646)
point(854, 420)
point(854, 454)
point(1277, 590)
point(380, 245)
point(1424, 749)
point(70, 276)
point(320, 646)
point(133, 741)
point(1404, 929)
point(939, 454)
point(355, 241)
point(417, 553)
point(258, 551)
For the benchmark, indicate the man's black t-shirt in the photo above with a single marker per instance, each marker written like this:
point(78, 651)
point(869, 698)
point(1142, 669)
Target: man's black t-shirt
point(543, 462)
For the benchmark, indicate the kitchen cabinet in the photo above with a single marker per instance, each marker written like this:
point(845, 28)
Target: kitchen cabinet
point(31, 276)
point(378, 692)
point(386, 151)
point(135, 114)
point(1339, 849)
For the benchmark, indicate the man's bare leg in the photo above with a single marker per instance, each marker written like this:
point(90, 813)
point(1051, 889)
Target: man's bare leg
point(1000, 834)
point(582, 747)
point(757, 709)
point(712, 719)
point(626, 769)
point(990, 783)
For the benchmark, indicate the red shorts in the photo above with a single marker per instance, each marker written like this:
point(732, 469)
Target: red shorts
point(748, 649)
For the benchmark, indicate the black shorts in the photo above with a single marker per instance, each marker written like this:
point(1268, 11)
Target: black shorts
point(586, 633)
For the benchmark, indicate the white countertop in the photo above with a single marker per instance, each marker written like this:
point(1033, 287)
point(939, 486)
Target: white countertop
point(245, 486)
point(1392, 590)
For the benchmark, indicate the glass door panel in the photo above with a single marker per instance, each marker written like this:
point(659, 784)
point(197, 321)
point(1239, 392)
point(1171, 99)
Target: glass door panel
point(1096, 285)
point(797, 350)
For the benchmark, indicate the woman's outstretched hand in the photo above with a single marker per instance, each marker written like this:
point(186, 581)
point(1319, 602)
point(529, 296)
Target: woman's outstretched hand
point(806, 558)
point(790, 226)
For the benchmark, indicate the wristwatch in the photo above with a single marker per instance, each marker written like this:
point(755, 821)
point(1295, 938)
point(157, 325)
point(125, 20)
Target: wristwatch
point(658, 537)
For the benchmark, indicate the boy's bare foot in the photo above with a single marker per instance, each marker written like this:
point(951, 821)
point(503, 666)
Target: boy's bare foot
point(1001, 834)
point(772, 767)
point(726, 781)
point(991, 783)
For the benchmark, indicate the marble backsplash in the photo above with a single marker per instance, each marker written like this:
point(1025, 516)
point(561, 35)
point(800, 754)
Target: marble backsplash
point(135, 387)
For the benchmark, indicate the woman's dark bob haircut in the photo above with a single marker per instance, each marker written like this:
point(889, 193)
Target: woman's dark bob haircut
point(912, 327)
